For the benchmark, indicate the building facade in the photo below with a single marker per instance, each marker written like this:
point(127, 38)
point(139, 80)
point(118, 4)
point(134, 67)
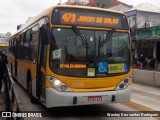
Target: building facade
point(143, 20)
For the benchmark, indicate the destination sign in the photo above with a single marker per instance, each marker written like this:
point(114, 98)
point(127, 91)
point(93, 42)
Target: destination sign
point(90, 18)
point(72, 18)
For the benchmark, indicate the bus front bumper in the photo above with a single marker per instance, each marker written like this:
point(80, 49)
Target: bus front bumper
point(57, 99)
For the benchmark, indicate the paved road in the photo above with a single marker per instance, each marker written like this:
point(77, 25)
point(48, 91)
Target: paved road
point(147, 96)
point(144, 98)
point(142, 95)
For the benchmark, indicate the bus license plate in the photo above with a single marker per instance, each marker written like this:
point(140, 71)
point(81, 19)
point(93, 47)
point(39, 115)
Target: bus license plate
point(94, 98)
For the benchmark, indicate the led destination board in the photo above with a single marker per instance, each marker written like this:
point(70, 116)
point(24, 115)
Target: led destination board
point(85, 17)
point(72, 18)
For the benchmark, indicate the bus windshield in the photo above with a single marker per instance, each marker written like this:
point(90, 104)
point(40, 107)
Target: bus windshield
point(107, 54)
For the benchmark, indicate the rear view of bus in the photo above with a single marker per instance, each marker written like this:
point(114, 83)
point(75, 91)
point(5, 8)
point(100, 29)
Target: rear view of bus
point(88, 58)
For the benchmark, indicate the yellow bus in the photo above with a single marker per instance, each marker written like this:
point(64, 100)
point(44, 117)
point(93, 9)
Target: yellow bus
point(73, 55)
point(4, 45)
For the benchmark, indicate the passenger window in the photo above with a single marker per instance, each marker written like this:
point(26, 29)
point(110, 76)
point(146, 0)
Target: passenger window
point(34, 43)
point(27, 38)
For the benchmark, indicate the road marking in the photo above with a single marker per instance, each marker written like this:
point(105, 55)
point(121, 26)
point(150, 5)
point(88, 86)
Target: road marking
point(139, 108)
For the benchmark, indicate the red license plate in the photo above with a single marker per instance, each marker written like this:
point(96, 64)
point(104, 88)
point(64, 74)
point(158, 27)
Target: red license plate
point(95, 98)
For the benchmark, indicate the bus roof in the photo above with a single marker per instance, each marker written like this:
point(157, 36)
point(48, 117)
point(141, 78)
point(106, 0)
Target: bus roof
point(88, 7)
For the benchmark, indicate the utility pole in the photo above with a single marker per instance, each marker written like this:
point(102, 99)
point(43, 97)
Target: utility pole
point(60, 1)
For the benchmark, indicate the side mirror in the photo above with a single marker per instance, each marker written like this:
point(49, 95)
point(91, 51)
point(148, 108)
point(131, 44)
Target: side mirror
point(44, 34)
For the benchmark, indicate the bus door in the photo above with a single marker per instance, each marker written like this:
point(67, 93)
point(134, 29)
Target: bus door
point(41, 68)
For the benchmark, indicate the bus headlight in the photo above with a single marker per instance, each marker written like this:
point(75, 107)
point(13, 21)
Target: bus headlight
point(124, 84)
point(58, 85)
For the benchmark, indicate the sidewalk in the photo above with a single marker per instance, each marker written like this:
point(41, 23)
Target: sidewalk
point(146, 96)
point(146, 77)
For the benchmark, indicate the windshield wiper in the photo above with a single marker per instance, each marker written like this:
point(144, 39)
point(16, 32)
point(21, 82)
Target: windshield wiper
point(108, 36)
point(82, 38)
point(104, 41)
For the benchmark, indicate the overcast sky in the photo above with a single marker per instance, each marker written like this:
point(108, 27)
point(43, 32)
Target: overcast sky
point(14, 12)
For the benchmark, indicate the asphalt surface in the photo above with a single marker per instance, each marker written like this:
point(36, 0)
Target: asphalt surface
point(144, 98)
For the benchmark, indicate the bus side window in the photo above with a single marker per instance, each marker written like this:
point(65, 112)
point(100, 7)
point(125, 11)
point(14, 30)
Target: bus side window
point(17, 42)
point(34, 43)
point(21, 39)
point(14, 42)
point(26, 43)
point(14, 47)
point(21, 48)
point(10, 43)
point(27, 38)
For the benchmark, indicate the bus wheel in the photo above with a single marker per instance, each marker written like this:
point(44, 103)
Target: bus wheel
point(31, 97)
